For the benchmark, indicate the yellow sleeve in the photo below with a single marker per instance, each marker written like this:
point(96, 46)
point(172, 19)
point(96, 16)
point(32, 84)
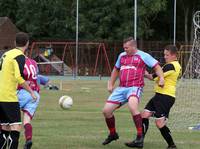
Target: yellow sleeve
point(19, 63)
point(167, 70)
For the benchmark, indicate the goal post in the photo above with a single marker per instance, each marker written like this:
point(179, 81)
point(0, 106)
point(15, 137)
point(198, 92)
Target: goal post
point(185, 112)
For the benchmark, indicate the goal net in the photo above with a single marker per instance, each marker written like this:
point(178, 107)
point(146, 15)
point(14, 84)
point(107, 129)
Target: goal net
point(54, 68)
point(185, 112)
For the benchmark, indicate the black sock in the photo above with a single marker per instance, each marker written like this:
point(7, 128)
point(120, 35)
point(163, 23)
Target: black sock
point(167, 135)
point(13, 139)
point(3, 138)
point(145, 125)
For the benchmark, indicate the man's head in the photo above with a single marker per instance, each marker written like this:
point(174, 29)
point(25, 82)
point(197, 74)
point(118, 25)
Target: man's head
point(130, 45)
point(170, 53)
point(22, 40)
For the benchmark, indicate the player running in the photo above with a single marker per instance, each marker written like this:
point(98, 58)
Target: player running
point(27, 104)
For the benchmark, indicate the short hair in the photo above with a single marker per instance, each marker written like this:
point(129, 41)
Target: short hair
point(21, 39)
point(172, 49)
point(130, 39)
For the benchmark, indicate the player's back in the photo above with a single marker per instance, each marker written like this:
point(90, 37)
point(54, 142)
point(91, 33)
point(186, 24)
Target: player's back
point(30, 73)
point(12, 62)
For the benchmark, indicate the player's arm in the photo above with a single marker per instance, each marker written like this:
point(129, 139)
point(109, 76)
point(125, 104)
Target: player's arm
point(153, 63)
point(114, 74)
point(19, 75)
point(148, 75)
point(26, 87)
point(168, 69)
point(113, 78)
point(43, 80)
point(159, 72)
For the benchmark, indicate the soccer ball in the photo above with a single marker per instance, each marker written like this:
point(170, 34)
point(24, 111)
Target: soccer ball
point(65, 102)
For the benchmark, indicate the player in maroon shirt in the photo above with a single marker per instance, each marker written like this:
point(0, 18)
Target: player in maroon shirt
point(130, 68)
point(27, 105)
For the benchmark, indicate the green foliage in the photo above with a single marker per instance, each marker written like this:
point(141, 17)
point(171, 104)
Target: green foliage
point(8, 8)
point(99, 19)
point(42, 18)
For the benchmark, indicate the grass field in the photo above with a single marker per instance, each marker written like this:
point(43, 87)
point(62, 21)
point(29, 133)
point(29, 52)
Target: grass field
point(83, 126)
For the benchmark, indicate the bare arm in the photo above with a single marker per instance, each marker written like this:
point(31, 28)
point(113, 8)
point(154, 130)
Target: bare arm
point(159, 72)
point(26, 87)
point(113, 78)
point(148, 75)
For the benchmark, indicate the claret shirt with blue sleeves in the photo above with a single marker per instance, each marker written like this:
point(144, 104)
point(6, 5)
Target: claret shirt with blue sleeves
point(132, 68)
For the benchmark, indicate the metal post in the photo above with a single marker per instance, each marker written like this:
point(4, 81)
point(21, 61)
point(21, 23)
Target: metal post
point(174, 42)
point(135, 19)
point(76, 63)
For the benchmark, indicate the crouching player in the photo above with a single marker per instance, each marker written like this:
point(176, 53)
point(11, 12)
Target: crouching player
point(26, 102)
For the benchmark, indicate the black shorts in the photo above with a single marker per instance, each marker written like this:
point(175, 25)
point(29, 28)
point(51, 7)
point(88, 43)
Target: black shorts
point(160, 105)
point(10, 113)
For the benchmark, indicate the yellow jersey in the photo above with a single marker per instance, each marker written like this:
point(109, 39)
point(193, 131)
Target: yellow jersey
point(171, 73)
point(11, 74)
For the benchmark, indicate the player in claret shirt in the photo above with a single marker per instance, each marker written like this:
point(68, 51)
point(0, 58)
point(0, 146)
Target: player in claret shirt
point(130, 68)
point(27, 104)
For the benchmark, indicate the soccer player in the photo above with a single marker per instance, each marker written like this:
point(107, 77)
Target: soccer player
point(11, 74)
point(160, 104)
point(130, 67)
point(25, 99)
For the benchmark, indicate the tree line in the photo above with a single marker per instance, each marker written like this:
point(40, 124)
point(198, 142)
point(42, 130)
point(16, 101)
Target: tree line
point(101, 19)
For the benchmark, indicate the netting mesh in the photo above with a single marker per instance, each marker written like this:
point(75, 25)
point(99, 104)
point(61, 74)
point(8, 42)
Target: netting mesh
point(185, 112)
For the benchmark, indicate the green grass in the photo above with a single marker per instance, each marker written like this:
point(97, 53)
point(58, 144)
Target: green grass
point(83, 126)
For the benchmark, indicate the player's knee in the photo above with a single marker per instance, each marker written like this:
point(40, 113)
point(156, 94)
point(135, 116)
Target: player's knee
point(146, 114)
point(107, 112)
point(160, 123)
point(16, 127)
point(5, 127)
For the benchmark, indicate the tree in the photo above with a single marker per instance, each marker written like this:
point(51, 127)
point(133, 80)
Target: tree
point(113, 20)
point(42, 18)
point(185, 14)
point(9, 8)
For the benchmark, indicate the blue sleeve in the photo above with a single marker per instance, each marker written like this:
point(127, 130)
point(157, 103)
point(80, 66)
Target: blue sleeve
point(149, 60)
point(117, 64)
point(43, 80)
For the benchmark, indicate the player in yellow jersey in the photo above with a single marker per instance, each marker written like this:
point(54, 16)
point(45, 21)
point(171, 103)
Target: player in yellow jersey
point(11, 74)
point(160, 104)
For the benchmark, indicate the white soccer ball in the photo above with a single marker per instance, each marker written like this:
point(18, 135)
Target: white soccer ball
point(65, 102)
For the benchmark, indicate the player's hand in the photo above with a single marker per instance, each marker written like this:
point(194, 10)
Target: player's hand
point(33, 96)
point(110, 87)
point(161, 82)
point(148, 75)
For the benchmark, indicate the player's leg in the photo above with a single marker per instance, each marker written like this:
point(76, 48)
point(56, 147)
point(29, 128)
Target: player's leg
point(29, 109)
point(11, 124)
point(108, 110)
point(163, 108)
point(165, 131)
point(27, 130)
point(145, 121)
point(5, 131)
point(114, 101)
point(13, 139)
point(15, 125)
point(133, 96)
point(147, 112)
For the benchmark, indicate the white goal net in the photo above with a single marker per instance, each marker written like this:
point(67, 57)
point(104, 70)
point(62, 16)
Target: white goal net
point(185, 112)
point(51, 68)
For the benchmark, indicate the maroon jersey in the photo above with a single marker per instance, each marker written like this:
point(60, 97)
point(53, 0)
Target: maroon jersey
point(31, 74)
point(132, 68)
